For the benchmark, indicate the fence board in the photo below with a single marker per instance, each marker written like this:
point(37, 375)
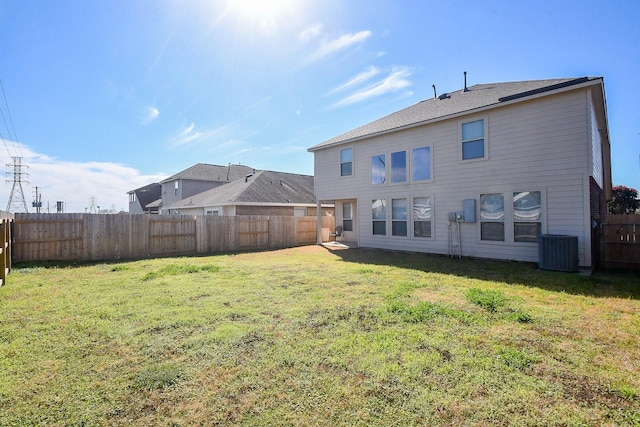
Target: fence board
point(620, 241)
point(91, 237)
point(5, 250)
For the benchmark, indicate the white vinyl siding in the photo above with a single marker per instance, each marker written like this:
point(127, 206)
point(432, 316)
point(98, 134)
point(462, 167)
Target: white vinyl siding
point(539, 145)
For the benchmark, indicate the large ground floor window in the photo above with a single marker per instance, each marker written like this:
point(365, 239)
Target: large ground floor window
point(520, 210)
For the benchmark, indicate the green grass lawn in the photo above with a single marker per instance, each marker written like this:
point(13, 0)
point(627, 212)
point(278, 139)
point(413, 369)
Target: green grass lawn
point(311, 336)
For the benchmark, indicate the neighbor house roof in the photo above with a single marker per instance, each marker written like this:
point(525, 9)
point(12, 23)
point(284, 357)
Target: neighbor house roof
point(263, 187)
point(147, 194)
point(207, 172)
point(477, 97)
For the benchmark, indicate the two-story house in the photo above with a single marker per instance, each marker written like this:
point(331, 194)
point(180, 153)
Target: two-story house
point(480, 172)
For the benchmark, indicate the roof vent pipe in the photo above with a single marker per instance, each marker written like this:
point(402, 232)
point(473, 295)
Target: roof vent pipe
point(434, 91)
point(465, 82)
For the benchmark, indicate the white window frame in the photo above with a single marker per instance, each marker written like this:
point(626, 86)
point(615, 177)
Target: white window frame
point(406, 167)
point(412, 165)
point(340, 162)
point(347, 218)
point(540, 220)
point(414, 219)
point(485, 139)
point(385, 219)
point(406, 219)
point(375, 158)
point(504, 221)
point(509, 217)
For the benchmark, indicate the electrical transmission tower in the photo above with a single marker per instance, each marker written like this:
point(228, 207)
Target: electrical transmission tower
point(17, 194)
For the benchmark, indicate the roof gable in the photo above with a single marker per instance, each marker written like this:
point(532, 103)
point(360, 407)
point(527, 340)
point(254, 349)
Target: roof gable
point(451, 104)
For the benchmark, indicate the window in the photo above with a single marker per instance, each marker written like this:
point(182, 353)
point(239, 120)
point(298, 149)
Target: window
point(492, 217)
point(175, 188)
point(132, 197)
point(347, 216)
point(422, 164)
point(378, 169)
point(399, 166)
point(527, 216)
point(422, 217)
point(346, 162)
point(398, 217)
point(473, 146)
point(214, 212)
point(379, 216)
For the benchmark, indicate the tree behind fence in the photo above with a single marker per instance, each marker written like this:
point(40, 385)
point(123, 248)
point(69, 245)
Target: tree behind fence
point(91, 237)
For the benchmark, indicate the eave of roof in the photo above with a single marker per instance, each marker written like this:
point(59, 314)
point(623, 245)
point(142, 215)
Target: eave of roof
point(477, 98)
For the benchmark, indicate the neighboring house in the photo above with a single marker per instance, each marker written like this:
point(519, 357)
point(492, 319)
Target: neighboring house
point(145, 199)
point(259, 193)
point(479, 172)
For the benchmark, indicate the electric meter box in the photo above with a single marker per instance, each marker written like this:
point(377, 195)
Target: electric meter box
point(469, 210)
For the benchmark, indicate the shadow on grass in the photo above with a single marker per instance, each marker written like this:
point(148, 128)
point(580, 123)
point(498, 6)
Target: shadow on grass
point(602, 283)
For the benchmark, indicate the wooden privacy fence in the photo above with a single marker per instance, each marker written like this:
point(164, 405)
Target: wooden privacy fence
point(92, 237)
point(5, 249)
point(620, 242)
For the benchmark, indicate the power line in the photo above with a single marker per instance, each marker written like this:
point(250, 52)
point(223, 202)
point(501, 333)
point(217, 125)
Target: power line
point(15, 135)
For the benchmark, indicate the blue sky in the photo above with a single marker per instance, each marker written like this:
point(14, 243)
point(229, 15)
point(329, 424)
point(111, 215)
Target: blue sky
point(106, 96)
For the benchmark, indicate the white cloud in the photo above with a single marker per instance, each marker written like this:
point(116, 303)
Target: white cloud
point(397, 79)
point(327, 47)
point(75, 183)
point(310, 33)
point(356, 80)
point(150, 114)
point(192, 135)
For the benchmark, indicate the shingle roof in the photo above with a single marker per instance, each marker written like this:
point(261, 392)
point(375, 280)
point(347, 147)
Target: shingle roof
point(207, 172)
point(262, 187)
point(147, 194)
point(454, 103)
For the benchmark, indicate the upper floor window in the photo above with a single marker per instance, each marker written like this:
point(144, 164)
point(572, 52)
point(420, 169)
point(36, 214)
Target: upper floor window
point(175, 188)
point(132, 197)
point(399, 166)
point(346, 162)
point(492, 217)
point(422, 164)
point(473, 140)
point(527, 216)
point(378, 169)
point(347, 216)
